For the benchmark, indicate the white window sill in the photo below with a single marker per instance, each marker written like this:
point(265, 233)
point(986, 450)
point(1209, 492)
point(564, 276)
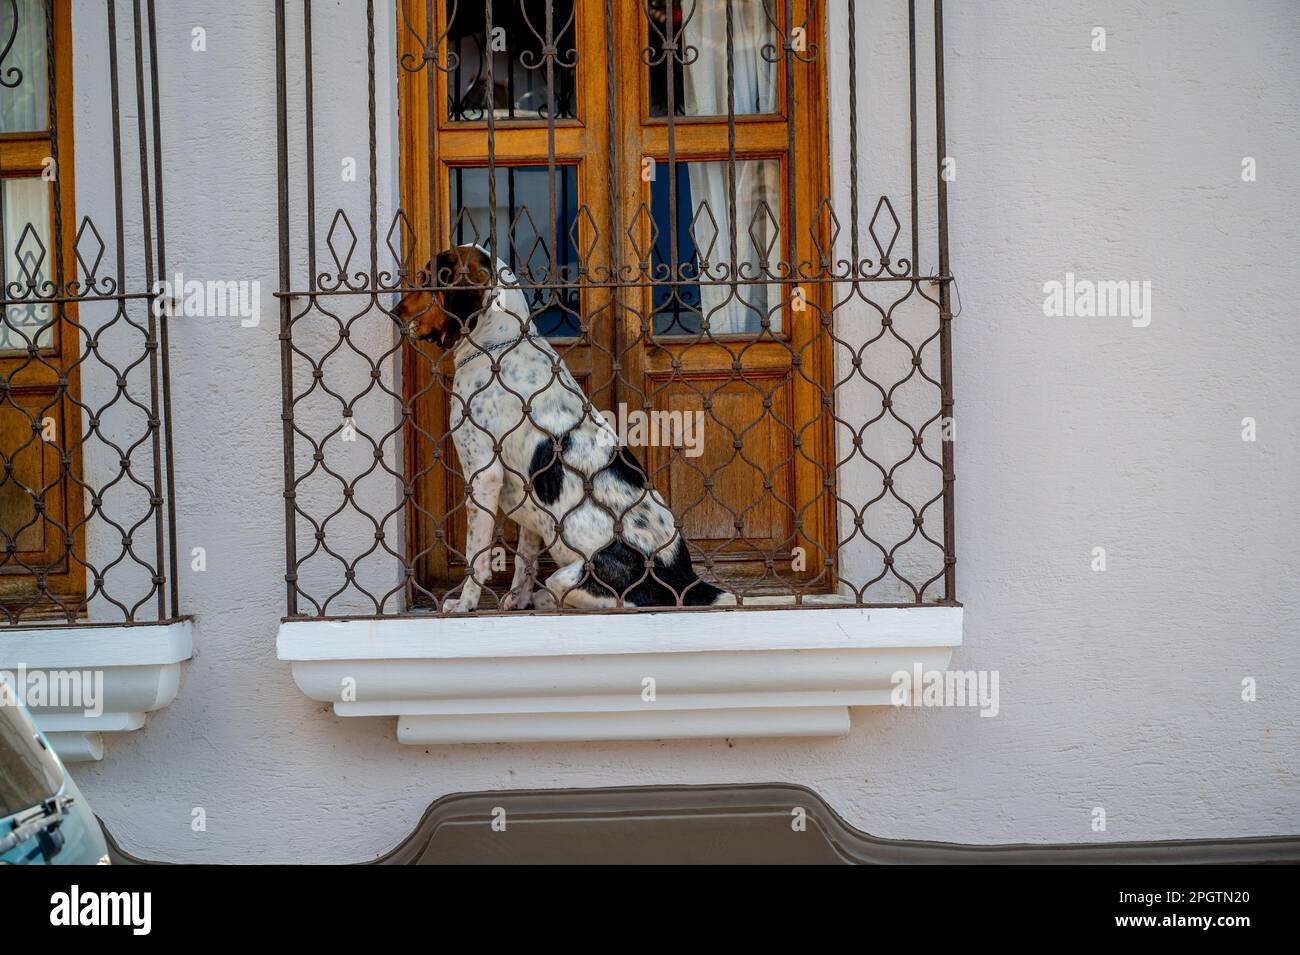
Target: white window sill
point(140, 668)
point(574, 677)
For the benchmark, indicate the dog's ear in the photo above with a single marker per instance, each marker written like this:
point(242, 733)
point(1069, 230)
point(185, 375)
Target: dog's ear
point(419, 308)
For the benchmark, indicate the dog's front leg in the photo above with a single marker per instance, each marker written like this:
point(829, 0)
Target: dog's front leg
point(521, 587)
point(484, 494)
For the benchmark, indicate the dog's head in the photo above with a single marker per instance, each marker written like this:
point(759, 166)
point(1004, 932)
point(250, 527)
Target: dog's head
point(453, 308)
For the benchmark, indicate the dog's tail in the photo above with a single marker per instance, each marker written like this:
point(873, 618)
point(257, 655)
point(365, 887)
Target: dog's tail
point(680, 576)
point(620, 569)
point(701, 593)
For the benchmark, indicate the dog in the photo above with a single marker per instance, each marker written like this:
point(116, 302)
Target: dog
point(528, 448)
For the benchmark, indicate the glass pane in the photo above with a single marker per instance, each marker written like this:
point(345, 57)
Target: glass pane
point(699, 84)
point(518, 71)
point(523, 209)
point(704, 228)
point(25, 241)
point(23, 77)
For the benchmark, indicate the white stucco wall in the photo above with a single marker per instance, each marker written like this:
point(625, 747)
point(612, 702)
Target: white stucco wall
point(1118, 689)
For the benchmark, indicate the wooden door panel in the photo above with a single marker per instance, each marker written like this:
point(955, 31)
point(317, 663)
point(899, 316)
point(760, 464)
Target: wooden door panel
point(23, 456)
point(34, 494)
point(724, 484)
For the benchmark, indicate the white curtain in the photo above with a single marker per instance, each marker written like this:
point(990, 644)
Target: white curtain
point(757, 181)
point(23, 93)
point(24, 201)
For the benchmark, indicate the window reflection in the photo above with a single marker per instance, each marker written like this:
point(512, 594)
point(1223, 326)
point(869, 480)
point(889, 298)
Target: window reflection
point(519, 74)
point(523, 236)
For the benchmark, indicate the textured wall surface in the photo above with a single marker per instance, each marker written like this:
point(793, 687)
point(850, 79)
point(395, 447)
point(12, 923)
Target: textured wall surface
point(1119, 689)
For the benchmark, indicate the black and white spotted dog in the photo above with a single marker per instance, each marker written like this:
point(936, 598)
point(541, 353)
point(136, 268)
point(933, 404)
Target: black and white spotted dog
point(547, 454)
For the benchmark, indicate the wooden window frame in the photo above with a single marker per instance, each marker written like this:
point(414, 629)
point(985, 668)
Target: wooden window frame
point(62, 572)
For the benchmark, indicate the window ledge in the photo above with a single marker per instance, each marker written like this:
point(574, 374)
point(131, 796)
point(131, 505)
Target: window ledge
point(141, 673)
point(576, 677)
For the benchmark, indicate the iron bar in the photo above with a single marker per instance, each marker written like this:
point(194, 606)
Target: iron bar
point(286, 349)
point(945, 312)
point(160, 226)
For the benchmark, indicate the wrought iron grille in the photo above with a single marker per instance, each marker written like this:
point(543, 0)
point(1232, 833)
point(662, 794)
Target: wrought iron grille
point(87, 494)
point(695, 229)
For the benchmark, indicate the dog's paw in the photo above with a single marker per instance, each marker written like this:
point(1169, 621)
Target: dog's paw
point(544, 600)
point(516, 601)
point(459, 605)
